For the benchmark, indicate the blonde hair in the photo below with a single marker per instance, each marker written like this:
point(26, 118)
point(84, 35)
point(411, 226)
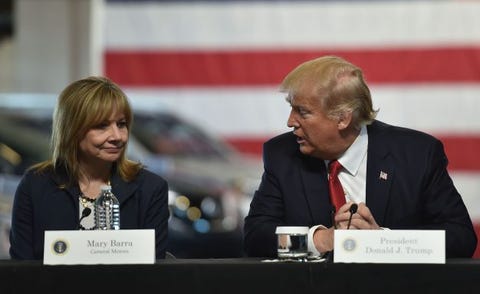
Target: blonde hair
point(338, 84)
point(82, 105)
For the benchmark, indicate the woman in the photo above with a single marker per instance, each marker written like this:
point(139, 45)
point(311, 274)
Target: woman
point(90, 130)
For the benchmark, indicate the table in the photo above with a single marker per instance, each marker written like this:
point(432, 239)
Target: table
point(242, 275)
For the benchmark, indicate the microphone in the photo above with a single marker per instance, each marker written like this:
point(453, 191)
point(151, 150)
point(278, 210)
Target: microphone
point(353, 210)
point(86, 212)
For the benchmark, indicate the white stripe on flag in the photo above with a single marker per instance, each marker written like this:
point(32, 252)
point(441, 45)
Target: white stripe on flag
point(233, 24)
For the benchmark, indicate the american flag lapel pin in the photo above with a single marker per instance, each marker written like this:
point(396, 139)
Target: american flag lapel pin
point(383, 176)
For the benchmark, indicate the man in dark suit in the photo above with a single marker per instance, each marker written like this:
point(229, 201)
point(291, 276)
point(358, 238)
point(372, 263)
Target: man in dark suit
point(398, 177)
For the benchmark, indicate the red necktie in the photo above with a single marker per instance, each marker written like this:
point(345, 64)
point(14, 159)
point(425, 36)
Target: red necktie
point(337, 195)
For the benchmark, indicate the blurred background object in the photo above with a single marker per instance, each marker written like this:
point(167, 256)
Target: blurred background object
point(218, 63)
point(6, 32)
point(6, 21)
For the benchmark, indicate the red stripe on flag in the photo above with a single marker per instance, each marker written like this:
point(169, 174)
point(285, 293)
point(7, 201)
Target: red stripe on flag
point(268, 67)
point(462, 151)
point(476, 254)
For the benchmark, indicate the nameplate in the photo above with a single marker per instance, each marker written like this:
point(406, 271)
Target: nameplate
point(389, 246)
point(99, 247)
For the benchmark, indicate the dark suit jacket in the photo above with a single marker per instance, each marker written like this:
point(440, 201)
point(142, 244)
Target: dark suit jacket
point(417, 192)
point(41, 205)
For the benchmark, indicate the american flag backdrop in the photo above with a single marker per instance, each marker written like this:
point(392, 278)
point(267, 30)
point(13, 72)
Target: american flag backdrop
point(219, 64)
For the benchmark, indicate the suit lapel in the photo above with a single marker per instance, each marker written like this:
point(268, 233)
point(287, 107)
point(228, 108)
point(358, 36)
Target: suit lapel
point(380, 175)
point(315, 185)
point(122, 190)
point(380, 172)
point(60, 178)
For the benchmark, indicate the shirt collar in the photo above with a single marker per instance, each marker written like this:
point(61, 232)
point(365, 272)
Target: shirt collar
point(352, 159)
